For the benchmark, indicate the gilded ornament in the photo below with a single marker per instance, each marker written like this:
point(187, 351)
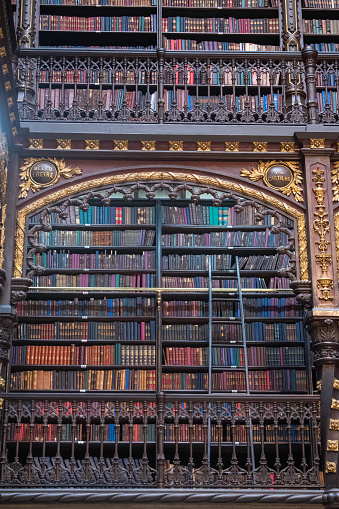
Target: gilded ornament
point(176, 146)
point(171, 176)
point(324, 260)
point(231, 146)
point(336, 235)
point(1, 34)
point(1, 403)
point(336, 384)
point(63, 144)
point(14, 131)
point(331, 467)
point(5, 69)
point(335, 404)
point(36, 143)
point(325, 285)
point(10, 102)
point(2, 383)
point(334, 424)
point(91, 144)
point(260, 146)
point(287, 146)
point(317, 143)
point(3, 189)
point(283, 176)
point(335, 181)
point(332, 445)
point(44, 172)
point(7, 86)
point(318, 385)
point(12, 117)
point(2, 51)
point(120, 145)
point(148, 145)
point(203, 146)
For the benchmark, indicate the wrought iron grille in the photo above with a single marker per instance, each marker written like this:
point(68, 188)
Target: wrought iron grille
point(170, 442)
point(151, 87)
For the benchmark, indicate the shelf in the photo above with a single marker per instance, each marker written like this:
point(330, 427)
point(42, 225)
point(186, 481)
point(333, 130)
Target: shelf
point(96, 318)
point(97, 271)
point(211, 228)
point(96, 227)
point(184, 369)
point(87, 249)
point(241, 251)
point(86, 294)
point(78, 367)
point(82, 342)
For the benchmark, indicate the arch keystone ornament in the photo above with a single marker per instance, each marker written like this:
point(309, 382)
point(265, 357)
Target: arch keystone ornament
point(283, 176)
point(44, 172)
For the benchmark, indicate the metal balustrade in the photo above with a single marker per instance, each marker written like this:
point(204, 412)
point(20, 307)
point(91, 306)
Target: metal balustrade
point(168, 441)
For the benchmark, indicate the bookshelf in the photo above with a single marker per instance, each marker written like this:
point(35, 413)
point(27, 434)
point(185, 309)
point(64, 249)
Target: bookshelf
point(320, 25)
point(227, 321)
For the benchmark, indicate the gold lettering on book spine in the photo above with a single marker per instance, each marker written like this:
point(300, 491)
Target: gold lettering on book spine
point(170, 176)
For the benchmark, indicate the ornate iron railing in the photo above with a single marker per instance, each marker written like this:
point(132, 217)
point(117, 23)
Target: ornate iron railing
point(226, 88)
point(167, 442)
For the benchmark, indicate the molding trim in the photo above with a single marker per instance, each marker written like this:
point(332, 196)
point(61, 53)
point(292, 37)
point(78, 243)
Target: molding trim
point(158, 497)
point(169, 176)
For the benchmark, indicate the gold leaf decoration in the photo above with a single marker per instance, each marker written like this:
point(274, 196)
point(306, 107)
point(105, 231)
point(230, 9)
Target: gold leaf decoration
point(335, 181)
point(62, 171)
point(332, 445)
point(264, 166)
point(148, 145)
point(176, 146)
point(36, 143)
point(331, 467)
point(317, 143)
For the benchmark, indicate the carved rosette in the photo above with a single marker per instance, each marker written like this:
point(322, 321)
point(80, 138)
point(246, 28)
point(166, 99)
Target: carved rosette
point(325, 340)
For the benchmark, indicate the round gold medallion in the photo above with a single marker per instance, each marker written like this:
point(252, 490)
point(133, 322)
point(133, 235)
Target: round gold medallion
point(44, 173)
point(278, 176)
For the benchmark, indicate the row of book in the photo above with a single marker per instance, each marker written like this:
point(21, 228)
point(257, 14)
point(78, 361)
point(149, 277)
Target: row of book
point(126, 306)
point(97, 214)
point(321, 4)
point(97, 238)
point(182, 433)
point(88, 330)
point(130, 379)
point(192, 45)
point(196, 214)
point(96, 280)
point(231, 357)
point(64, 98)
point(273, 356)
point(225, 239)
point(90, 379)
point(141, 331)
point(96, 355)
point(259, 331)
point(326, 47)
point(184, 24)
point(272, 307)
point(320, 26)
point(270, 380)
point(176, 356)
point(180, 308)
point(266, 262)
point(217, 4)
point(98, 23)
point(106, 259)
point(113, 3)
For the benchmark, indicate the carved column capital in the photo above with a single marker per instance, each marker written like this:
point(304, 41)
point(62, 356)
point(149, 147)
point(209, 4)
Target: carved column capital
point(20, 287)
point(325, 339)
point(303, 291)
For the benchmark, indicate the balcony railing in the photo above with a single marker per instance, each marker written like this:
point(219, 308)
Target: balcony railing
point(153, 87)
point(164, 442)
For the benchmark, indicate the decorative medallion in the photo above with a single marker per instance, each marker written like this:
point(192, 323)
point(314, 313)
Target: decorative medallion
point(2, 383)
point(332, 445)
point(92, 144)
point(331, 467)
point(334, 424)
point(64, 144)
point(318, 385)
point(148, 145)
point(336, 384)
point(231, 146)
point(317, 143)
point(120, 145)
point(260, 146)
point(176, 146)
point(36, 143)
point(335, 404)
point(44, 172)
point(203, 146)
point(283, 176)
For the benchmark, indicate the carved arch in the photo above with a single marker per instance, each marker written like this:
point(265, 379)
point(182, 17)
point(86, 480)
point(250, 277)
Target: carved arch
point(209, 183)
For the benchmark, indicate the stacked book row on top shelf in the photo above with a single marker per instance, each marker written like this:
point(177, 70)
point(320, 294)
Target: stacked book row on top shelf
point(216, 4)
